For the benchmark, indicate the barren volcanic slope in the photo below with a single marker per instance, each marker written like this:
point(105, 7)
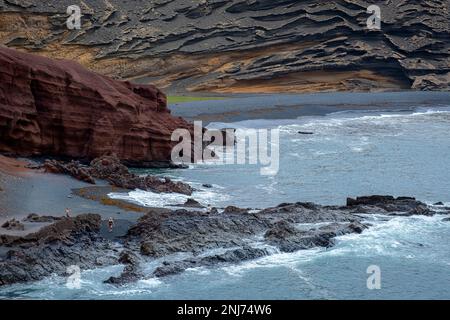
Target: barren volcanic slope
point(244, 46)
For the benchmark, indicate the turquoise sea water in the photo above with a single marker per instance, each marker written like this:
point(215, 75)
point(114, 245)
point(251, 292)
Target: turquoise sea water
point(350, 154)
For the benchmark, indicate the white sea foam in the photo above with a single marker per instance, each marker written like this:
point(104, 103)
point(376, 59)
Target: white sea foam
point(273, 260)
point(391, 237)
point(161, 200)
point(351, 121)
point(151, 282)
point(396, 237)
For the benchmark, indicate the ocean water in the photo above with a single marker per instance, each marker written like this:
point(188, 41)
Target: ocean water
point(349, 154)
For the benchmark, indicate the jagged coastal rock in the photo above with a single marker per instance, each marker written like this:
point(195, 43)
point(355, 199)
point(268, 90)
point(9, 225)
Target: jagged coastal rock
point(67, 242)
point(244, 46)
point(58, 108)
point(110, 168)
point(206, 239)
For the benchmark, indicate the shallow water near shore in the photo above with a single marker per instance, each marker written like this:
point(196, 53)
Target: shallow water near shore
point(351, 153)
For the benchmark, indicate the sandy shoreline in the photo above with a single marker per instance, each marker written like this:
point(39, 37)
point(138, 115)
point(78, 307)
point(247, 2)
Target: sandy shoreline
point(13, 166)
point(290, 106)
point(25, 191)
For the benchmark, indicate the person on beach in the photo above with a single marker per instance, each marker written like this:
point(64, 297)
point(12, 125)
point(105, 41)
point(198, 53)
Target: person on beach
point(209, 209)
point(68, 213)
point(110, 224)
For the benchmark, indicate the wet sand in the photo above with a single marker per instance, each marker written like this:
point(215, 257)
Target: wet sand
point(26, 191)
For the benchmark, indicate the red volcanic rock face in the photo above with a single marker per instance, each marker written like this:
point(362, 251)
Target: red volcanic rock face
point(57, 107)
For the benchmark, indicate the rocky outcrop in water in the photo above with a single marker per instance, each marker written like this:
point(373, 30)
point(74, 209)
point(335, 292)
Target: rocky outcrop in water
point(131, 271)
point(65, 243)
point(13, 225)
point(58, 108)
point(110, 168)
point(245, 46)
point(182, 239)
point(404, 206)
point(240, 235)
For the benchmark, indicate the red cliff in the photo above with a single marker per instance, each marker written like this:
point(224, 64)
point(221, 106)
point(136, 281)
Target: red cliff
point(59, 108)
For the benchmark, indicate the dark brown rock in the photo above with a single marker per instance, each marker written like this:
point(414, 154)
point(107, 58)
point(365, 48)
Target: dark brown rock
point(192, 203)
point(13, 225)
point(73, 168)
point(33, 217)
point(233, 209)
point(111, 169)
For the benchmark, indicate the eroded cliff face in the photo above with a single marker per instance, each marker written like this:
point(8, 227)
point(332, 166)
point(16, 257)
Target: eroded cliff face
point(57, 107)
point(244, 46)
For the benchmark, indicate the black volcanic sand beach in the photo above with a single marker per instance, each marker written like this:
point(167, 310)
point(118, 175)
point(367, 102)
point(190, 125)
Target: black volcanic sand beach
point(290, 106)
point(50, 194)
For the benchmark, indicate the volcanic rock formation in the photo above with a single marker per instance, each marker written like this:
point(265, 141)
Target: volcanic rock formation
point(57, 107)
point(110, 169)
point(176, 240)
point(244, 45)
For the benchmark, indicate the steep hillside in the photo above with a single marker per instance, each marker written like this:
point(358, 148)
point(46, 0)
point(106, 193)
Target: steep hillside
point(58, 108)
point(244, 45)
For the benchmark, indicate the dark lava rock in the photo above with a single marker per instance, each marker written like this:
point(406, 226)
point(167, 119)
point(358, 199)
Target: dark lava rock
point(439, 203)
point(192, 203)
point(131, 271)
point(401, 206)
point(233, 209)
point(33, 217)
point(281, 230)
point(107, 165)
point(110, 168)
point(63, 230)
point(13, 225)
point(207, 185)
point(153, 249)
point(73, 168)
point(51, 250)
point(164, 232)
point(206, 239)
point(371, 200)
point(230, 256)
point(128, 257)
point(289, 239)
